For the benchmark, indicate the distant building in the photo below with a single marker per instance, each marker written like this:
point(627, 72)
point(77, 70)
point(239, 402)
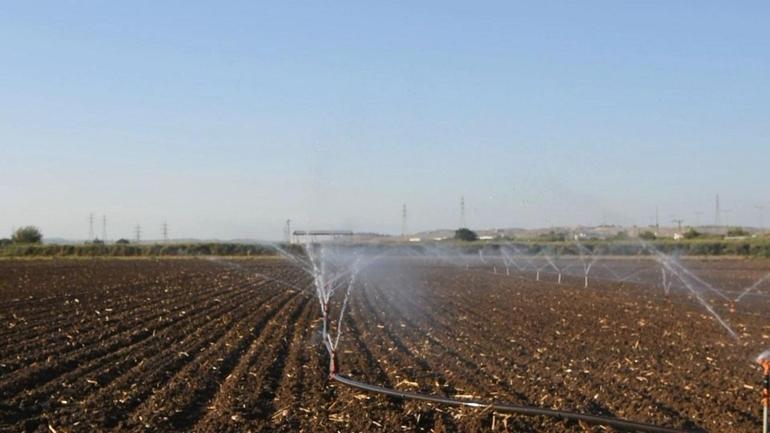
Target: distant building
point(321, 235)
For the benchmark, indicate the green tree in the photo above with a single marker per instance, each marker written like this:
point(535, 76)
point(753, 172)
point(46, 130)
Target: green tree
point(465, 234)
point(647, 236)
point(27, 235)
point(691, 233)
point(552, 236)
point(737, 232)
point(619, 236)
point(122, 241)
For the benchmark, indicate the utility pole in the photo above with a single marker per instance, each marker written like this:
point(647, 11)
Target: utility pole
point(104, 228)
point(463, 223)
point(761, 211)
point(657, 221)
point(138, 233)
point(91, 227)
point(164, 231)
point(287, 234)
point(403, 221)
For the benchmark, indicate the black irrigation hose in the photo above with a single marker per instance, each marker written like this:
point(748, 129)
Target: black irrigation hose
point(521, 410)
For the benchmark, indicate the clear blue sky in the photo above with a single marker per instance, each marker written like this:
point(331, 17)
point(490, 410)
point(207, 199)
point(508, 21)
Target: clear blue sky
point(227, 118)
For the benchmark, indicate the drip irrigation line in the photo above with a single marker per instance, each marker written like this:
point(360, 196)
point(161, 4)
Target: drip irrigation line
point(505, 408)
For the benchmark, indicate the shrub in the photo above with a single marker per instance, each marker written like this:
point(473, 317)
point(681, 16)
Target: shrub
point(691, 233)
point(552, 236)
point(647, 236)
point(27, 235)
point(620, 236)
point(737, 232)
point(465, 234)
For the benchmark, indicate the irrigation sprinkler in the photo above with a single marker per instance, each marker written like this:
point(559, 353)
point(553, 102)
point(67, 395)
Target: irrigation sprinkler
point(334, 271)
point(764, 360)
point(546, 264)
point(552, 264)
point(582, 251)
point(508, 260)
point(695, 285)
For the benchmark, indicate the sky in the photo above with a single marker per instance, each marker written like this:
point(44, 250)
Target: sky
point(227, 118)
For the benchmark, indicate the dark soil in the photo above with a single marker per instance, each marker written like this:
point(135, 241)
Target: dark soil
point(234, 346)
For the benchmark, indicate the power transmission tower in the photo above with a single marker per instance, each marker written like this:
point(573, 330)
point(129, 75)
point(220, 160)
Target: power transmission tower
point(138, 233)
point(90, 227)
point(104, 228)
point(462, 212)
point(717, 213)
point(403, 221)
point(164, 231)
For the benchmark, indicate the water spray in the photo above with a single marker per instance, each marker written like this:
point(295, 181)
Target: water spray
point(334, 271)
point(695, 285)
point(553, 265)
point(758, 283)
point(586, 264)
point(665, 281)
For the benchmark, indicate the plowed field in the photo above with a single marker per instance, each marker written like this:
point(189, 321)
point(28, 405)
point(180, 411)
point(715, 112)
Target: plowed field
point(233, 346)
